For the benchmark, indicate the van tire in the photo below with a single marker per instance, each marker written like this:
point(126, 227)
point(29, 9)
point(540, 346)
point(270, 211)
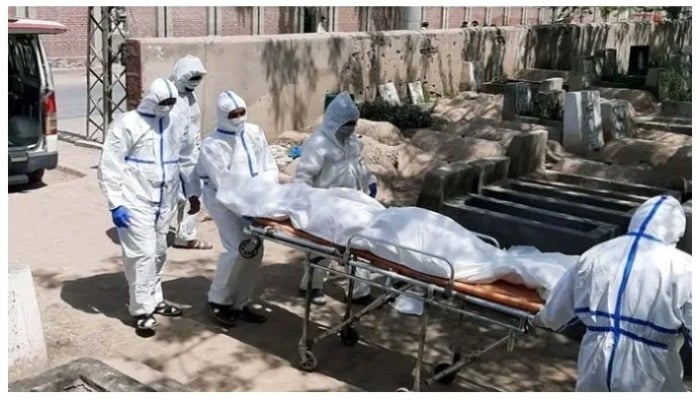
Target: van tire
point(36, 176)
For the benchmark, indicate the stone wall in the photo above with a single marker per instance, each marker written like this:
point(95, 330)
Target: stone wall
point(284, 78)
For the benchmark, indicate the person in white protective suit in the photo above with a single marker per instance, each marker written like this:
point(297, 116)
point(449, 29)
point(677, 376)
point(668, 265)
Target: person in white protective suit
point(633, 294)
point(331, 157)
point(146, 157)
point(236, 149)
point(187, 75)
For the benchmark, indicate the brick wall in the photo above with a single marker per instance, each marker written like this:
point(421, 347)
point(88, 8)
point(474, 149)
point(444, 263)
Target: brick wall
point(73, 43)
point(381, 18)
point(11, 12)
point(192, 21)
point(434, 17)
point(189, 21)
point(236, 20)
point(455, 17)
point(348, 19)
point(141, 21)
point(278, 20)
point(479, 15)
point(497, 15)
point(514, 16)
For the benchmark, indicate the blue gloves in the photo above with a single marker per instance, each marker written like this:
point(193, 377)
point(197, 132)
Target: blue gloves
point(373, 189)
point(295, 152)
point(120, 217)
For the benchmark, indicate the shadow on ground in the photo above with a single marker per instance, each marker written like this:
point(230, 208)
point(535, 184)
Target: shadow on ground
point(383, 359)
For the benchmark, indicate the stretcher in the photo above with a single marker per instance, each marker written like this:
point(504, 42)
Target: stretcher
point(503, 304)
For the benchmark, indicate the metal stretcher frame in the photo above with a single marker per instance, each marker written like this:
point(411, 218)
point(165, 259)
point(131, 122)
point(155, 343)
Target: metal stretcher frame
point(508, 306)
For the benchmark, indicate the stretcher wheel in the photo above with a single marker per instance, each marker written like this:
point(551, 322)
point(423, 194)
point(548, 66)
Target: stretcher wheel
point(447, 379)
point(349, 336)
point(402, 389)
point(308, 361)
point(249, 248)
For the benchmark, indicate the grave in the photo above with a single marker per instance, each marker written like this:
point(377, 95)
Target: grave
point(583, 130)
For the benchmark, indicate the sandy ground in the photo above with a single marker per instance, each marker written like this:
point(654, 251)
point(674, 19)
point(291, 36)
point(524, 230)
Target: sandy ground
point(63, 231)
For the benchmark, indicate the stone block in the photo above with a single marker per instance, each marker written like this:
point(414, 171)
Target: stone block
point(472, 75)
point(517, 100)
point(583, 130)
point(82, 375)
point(653, 81)
point(609, 57)
point(618, 119)
point(447, 181)
point(583, 74)
point(490, 170)
point(551, 84)
point(25, 342)
point(527, 152)
point(549, 104)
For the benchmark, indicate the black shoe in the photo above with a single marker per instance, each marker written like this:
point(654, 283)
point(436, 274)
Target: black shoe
point(248, 314)
point(363, 301)
point(223, 314)
point(167, 310)
point(145, 322)
point(317, 296)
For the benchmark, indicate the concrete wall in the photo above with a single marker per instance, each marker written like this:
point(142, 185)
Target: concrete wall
point(583, 40)
point(284, 78)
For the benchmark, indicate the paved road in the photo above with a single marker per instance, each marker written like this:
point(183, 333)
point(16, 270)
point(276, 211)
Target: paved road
point(71, 95)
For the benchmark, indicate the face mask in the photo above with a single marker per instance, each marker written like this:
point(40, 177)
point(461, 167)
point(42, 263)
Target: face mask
point(192, 84)
point(162, 111)
point(344, 132)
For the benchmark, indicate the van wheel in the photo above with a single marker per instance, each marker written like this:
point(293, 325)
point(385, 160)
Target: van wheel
point(36, 176)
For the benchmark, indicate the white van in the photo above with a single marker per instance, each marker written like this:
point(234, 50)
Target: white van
point(32, 132)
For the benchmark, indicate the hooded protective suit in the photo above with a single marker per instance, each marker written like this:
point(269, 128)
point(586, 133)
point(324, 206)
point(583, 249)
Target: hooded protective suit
point(326, 162)
point(235, 149)
point(184, 69)
point(633, 294)
point(145, 161)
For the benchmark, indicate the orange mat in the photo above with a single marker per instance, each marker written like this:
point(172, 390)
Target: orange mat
point(501, 292)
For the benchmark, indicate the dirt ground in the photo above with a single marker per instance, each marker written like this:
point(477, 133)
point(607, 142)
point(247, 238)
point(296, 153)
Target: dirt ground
point(64, 233)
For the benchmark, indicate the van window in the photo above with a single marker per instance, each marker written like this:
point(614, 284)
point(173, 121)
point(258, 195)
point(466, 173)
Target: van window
point(23, 56)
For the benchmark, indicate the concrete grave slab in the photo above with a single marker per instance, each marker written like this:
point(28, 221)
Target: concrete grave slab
point(583, 130)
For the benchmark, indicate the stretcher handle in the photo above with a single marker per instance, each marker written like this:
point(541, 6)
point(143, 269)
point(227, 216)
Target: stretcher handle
point(369, 238)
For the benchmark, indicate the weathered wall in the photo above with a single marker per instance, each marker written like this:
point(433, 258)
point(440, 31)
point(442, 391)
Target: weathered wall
point(284, 78)
point(555, 46)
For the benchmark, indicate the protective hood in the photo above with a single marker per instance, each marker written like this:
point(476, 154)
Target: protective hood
point(228, 101)
point(159, 90)
point(661, 217)
point(340, 111)
point(184, 69)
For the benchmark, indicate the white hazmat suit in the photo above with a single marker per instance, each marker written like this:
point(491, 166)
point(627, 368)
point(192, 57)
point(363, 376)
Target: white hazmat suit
point(145, 159)
point(235, 149)
point(327, 162)
point(633, 294)
point(187, 105)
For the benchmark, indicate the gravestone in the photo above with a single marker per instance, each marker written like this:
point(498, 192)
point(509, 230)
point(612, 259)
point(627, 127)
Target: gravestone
point(583, 74)
point(653, 80)
point(639, 60)
point(551, 84)
point(415, 89)
point(388, 93)
point(472, 76)
point(516, 100)
point(583, 130)
point(617, 118)
point(549, 104)
point(609, 61)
